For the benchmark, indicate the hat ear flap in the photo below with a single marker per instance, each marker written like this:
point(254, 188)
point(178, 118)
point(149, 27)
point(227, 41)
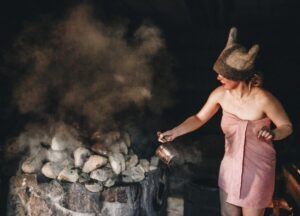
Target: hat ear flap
point(232, 37)
point(252, 53)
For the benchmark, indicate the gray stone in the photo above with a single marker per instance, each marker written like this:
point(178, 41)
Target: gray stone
point(79, 199)
point(134, 174)
point(57, 156)
point(68, 174)
point(118, 147)
point(145, 164)
point(54, 190)
point(52, 169)
point(131, 161)
point(100, 149)
point(43, 208)
point(81, 154)
point(34, 163)
point(29, 197)
point(110, 182)
point(94, 186)
point(94, 162)
point(117, 162)
point(19, 195)
point(121, 201)
point(102, 174)
point(83, 177)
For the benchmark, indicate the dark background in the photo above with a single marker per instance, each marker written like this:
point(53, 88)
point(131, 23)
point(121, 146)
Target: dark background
point(195, 31)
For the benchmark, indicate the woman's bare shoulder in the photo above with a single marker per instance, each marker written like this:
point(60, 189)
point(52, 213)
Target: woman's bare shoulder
point(264, 96)
point(219, 90)
point(218, 93)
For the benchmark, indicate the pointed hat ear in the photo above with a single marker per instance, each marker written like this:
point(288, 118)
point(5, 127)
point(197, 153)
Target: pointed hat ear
point(232, 37)
point(253, 52)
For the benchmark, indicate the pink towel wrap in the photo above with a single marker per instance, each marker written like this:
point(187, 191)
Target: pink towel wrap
point(247, 171)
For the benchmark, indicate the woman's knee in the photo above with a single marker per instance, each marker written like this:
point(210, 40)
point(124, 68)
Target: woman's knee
point(228, 209)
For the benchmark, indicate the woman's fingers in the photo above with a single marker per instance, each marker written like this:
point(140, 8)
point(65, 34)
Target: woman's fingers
point(160, 136)
point(266, 134)
point(269, 137)
point(164, 137)
point(158, 133)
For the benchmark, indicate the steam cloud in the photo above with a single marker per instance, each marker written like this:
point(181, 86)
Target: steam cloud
point(81, 67)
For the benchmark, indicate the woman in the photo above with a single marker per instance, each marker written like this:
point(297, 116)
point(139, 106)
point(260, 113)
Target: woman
point(247, 171)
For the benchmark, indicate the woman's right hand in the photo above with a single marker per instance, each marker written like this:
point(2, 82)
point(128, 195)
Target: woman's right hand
point(167, 136)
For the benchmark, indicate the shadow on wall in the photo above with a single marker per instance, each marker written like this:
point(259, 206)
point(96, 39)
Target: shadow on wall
point(198, 159)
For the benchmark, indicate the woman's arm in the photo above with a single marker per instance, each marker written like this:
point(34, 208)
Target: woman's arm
point(195, 121)
point(275, 111)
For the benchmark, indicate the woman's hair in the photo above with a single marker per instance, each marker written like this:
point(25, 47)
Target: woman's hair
point(255, 81)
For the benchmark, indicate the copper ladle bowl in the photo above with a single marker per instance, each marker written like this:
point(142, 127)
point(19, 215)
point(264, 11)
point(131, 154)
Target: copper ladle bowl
point(166, 153)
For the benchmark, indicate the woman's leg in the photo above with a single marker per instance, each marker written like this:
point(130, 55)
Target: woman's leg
point(228, 209)
point(253, 212)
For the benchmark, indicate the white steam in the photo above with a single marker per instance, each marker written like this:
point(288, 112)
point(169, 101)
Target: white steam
point(91, 70)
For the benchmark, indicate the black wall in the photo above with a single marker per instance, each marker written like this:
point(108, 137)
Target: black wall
point(195, 33)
